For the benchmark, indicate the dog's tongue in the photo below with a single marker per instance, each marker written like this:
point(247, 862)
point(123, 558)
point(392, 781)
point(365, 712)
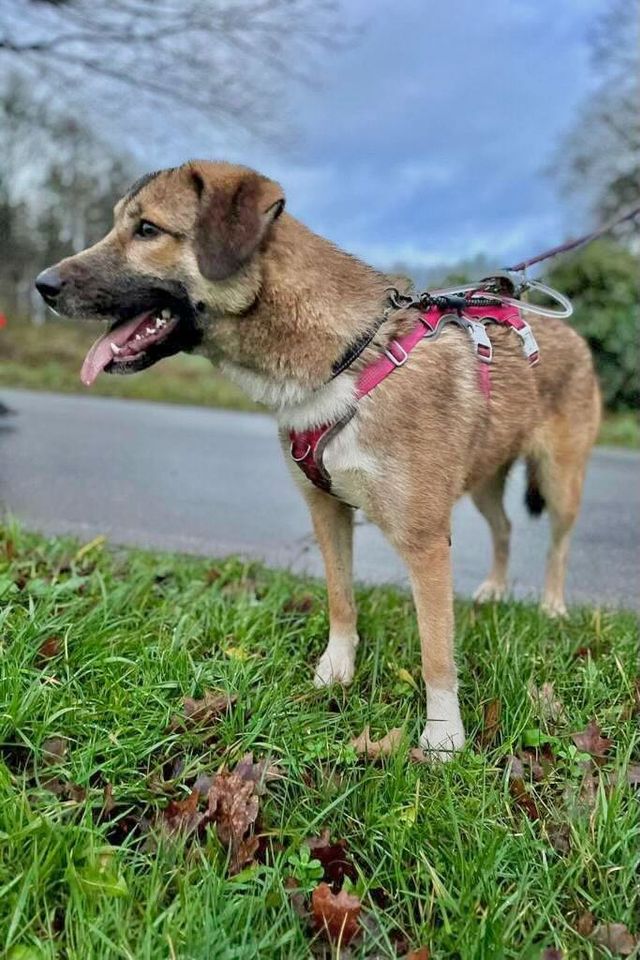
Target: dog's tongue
point(101, 354)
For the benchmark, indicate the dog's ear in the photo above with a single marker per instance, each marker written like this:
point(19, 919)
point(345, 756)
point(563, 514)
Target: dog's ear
point(235, 215)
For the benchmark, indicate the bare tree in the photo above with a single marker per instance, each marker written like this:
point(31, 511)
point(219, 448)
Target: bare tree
point(600, 156)
point(225, 59)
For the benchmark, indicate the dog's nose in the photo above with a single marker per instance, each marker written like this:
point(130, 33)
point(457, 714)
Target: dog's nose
point(49, 284)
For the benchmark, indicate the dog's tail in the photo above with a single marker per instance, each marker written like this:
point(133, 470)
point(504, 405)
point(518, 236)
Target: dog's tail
point(534, 501)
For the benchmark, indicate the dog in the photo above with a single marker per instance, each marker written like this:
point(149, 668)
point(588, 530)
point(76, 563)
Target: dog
point(204, 258)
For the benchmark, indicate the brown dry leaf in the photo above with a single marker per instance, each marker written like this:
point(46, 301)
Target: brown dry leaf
point(296, 896)
point(50, 648)
point(54, 749)
point(591, 741)
point(9, 549)
point(212, 575)
point(522, 798)
point(108, 803)
point(233, 806)
point(545, 701)
point(334, 859)
point(302, 605)
point(491, 723)
point(365, 746)
point(205, 712)
point(337, 915)
point(585, 923)
point(183, 816)
point(422, 953)
point(616, 938)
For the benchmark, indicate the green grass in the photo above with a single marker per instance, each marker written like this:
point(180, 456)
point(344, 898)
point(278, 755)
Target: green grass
point(463, 869)
point(50, 357)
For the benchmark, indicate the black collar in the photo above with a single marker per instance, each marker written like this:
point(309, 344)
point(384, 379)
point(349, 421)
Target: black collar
point(353, 352)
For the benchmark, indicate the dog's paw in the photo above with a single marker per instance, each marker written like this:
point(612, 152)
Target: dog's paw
point(441, 739)
point(490, 591)
point(337, 663)
point(554, 607)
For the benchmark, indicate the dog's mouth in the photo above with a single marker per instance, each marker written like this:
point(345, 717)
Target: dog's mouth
point(134, 344)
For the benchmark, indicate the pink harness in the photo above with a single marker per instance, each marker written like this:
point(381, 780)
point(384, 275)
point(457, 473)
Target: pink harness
point(307, 446)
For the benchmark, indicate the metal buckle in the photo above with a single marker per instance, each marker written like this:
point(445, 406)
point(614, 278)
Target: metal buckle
point(394, 360)
point(529, 343)
point(481, 341)
point(304, 455)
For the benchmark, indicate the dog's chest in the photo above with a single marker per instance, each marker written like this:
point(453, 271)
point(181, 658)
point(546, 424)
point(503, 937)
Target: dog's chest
point(350, 466)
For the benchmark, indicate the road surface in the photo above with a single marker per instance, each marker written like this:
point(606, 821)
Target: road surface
point(212, 482)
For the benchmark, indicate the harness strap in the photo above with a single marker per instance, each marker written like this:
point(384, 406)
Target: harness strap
point(307, 446)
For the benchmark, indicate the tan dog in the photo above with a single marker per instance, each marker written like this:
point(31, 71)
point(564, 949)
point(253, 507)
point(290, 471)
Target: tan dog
point(203, 258)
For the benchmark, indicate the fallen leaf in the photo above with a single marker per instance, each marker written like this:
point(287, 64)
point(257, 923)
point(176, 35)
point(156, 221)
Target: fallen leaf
point(522, 798)
point(334, 859)
point(54, 749)
point(203, 713)
point(212, 575)
point(50, 648)
point(297, 897)
point(337, 915)
point(302, 605)
point(591, 741)
point(545, 700)
point(365, 746)
point(9, 549)
point(616, 938)
point(560, 837)
point(108, 803)
point(491, 723)
point(585, 923)
point(183, 816)
point(233, 806)
point(422, 953)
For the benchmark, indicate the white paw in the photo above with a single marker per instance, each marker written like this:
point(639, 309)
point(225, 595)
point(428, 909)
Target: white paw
point(440, 739)
point(337, 663)
point(490, 590)
point(554, 607)
point(444, 732)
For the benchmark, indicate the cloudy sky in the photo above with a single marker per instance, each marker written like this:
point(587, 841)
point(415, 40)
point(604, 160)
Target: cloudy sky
point(427, 138)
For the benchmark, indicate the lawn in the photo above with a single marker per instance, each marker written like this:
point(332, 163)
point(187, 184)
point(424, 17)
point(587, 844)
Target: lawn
point(50, 357)
point(128, 678)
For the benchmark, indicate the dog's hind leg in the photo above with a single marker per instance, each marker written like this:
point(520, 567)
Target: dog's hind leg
point(333, 526)
point(488, 499)
point(561, 481)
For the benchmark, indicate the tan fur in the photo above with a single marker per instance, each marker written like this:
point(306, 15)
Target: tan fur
point(283, 306)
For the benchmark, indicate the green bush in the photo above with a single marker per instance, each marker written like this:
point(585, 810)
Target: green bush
point(601, 282)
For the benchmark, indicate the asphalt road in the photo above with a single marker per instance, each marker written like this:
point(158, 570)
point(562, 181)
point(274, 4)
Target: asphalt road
point(212, 482)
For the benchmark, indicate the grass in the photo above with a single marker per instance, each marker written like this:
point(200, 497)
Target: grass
point(50, 357)
point(463, 870)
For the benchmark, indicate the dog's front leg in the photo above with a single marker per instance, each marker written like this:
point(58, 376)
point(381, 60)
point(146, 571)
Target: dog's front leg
point(333, 525)
point(431, 580)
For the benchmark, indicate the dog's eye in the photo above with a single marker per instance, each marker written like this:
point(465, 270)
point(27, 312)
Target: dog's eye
point(147, 230)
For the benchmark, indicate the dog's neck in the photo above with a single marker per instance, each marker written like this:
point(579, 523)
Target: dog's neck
point(310, 303)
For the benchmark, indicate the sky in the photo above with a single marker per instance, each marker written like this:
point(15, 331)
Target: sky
point(427, 138)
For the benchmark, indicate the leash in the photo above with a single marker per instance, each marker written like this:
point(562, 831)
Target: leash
point(574, 244)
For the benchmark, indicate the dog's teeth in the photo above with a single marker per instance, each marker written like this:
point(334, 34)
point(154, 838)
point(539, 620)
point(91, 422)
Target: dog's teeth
point(114, 348)
point(166, 313)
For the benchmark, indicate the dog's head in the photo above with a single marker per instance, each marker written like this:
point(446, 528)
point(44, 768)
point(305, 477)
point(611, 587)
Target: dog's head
point(186, 246)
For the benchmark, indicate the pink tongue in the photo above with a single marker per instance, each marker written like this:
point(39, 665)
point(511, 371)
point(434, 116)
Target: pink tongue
point(101, 354)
